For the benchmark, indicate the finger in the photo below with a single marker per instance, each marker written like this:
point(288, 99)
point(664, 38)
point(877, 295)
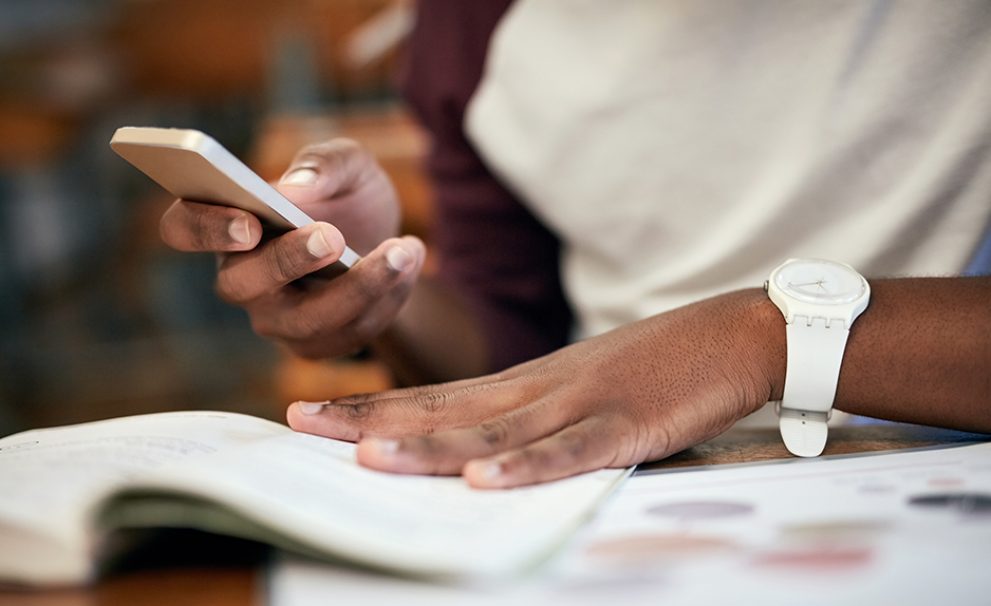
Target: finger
point(326, 170)
point(341, 182)
point(246, 276)
point(446, 452)
point(356, 334)
point(416, 392)
point(195, 227)
point(587, 445)
point(387, 272)
point(528, 385)
point(395, 417)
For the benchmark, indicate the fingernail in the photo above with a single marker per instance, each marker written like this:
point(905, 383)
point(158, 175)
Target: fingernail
point(317, 244)
point(301, 177)
point(240, 230)
point(384, 446)
point(490, 470)
point(311, 408)
point(398, 259)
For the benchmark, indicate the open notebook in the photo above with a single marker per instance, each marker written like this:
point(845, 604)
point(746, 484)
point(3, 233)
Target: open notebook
point(66, 489)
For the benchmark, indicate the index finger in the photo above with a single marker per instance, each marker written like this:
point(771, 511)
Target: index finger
point(197, 227)
point(463, 404)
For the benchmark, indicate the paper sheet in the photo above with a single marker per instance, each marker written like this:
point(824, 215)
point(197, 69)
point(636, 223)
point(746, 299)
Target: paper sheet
point(295, 489)
point(48, 477)
point(906, 528)
point(311, 490)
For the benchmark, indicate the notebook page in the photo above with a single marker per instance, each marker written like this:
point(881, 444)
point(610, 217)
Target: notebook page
point(49, 477)
point(312, 490)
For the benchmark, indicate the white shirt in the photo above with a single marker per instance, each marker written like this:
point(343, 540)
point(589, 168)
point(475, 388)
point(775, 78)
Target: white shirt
point(684, 149)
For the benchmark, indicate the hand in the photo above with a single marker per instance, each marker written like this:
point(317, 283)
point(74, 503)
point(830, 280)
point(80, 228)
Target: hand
point(638, 393)
point(336, 181)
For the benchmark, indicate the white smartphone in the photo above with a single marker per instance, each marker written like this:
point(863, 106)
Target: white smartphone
point(191, 165)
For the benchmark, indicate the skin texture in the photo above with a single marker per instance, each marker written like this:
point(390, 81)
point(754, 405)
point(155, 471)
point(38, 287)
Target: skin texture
point(920, 353)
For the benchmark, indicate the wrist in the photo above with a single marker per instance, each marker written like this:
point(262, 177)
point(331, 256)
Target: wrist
point(764, 343)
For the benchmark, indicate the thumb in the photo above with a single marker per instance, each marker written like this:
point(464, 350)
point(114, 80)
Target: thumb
point(325, 171)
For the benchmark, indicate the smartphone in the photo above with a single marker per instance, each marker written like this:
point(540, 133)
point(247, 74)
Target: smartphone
point(191, 165)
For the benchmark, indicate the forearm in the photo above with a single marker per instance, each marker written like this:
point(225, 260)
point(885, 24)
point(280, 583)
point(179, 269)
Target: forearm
point(436, 337)
point(920, 353)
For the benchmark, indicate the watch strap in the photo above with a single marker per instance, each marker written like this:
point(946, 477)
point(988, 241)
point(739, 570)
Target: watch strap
point(803, 432)
point(815, 353)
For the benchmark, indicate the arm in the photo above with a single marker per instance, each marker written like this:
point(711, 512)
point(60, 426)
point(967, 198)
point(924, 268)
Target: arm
point(920, 353)
point(497, 298)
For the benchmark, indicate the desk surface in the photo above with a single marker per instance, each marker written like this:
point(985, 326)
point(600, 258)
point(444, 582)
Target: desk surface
point(232, 580)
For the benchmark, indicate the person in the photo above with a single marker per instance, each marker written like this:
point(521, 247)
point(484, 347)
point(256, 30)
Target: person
point(613, 185)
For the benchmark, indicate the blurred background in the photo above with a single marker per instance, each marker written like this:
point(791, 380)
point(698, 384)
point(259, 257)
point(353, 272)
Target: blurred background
point(97, 317)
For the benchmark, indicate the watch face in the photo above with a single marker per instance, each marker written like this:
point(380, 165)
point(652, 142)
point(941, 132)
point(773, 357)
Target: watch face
point(821, 282)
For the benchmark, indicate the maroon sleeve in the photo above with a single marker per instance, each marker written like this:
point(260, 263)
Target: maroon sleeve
point(492, 251)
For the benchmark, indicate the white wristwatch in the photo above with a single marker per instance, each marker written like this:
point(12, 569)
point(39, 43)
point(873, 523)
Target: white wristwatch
point(820, 300)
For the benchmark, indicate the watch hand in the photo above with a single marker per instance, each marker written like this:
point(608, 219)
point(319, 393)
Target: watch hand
point(818, 283)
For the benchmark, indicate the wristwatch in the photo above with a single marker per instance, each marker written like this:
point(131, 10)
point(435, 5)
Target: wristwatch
point(820, 300)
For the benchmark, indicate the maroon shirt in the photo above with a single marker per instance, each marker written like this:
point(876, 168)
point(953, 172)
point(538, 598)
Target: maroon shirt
point(492, 250)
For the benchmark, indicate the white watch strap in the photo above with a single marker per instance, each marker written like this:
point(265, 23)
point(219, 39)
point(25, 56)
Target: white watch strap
point(815, 353)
